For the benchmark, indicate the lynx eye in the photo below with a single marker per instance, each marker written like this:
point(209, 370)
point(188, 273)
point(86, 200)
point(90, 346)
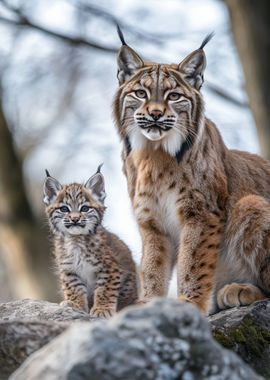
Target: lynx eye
point(64, 209)
point(141, 94)
point(85, 208)
point(174, 96)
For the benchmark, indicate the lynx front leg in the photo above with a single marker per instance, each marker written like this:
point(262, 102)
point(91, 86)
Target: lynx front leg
point(106, 293)
point(157, 262)
point(75, 291)
point(197, 260)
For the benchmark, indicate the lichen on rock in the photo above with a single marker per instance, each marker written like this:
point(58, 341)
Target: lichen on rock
point(246, 331)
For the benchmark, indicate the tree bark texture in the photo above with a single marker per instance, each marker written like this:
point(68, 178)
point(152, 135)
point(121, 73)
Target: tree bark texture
point(250, 20)
point(24, 247)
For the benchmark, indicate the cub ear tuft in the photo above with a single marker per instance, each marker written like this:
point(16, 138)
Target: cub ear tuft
point(193, 66)
point(128, 60)
point(96, 185)
point(99, 168)
point(51, 188)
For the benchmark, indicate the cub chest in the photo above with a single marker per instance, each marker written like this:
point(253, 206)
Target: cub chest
point(79, 264)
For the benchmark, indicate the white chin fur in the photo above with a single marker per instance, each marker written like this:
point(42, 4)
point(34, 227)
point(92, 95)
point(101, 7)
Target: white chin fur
point(76, 230)
point(153, 134)
point(170, 141)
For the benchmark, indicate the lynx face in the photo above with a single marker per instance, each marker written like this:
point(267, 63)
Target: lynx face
point(159, 103)
point(75, 209)
point(161, 106)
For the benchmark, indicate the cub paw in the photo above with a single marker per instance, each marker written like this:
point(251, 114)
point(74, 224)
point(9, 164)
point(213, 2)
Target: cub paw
point(141, 301)
point(101, 312)
point(238, 295)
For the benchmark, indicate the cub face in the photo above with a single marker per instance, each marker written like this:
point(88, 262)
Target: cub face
point(74, 209)
point(159, 103)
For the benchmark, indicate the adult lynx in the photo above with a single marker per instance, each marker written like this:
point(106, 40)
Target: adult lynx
point(198, 205)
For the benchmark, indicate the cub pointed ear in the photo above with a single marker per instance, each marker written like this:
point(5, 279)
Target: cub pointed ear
point(128, 60)
point(97, 186)
point(193, 66)
point(51, 188)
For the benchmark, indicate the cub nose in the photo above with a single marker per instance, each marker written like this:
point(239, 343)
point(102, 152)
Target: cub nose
point(75, 219)
point(156, 114)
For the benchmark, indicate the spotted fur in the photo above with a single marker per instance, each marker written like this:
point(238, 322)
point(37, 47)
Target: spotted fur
point(95, 267)
point(199, 205)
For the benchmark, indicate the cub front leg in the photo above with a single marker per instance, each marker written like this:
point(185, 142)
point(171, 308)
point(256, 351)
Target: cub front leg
point(106, 292)
point(156, 263)
point(197, 261)
point(74, 291)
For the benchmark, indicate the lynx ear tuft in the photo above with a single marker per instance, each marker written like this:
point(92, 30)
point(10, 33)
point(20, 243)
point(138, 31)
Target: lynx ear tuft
point(193, 66)
point(128, 60)
point(121, 35)
point(51, 188)
point(99, 168)
point(96, 185)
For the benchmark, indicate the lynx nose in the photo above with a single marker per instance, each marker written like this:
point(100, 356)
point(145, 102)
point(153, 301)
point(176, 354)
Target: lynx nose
point(156, 114)
point(75, 218)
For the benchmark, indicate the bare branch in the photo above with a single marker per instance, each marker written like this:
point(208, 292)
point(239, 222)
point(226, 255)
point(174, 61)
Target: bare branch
point(225, 95)
point(136, 31)
point(23, 22)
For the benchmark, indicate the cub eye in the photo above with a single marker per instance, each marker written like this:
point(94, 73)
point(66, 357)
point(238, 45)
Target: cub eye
point(64, 209)
point(174, 96)
point(141, 94)
point(85, 208)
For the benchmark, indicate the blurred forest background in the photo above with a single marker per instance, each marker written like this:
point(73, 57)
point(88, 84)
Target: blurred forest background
point(57, 80)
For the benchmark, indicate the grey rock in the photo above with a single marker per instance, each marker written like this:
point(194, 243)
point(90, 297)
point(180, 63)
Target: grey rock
point(246, 331)
point(19, 339)
point(27, 325)
point(40, 310)
point(164, 340)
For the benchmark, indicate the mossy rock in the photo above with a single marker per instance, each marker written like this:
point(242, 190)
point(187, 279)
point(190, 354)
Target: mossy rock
point(246, 331)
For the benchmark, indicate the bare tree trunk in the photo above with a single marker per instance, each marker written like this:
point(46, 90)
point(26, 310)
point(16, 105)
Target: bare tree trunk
point(250, 21)
point(23, 245)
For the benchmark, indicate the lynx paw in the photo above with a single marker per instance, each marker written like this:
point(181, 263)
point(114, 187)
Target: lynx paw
point(141, 301)
point(101, 312)
point(238, 295)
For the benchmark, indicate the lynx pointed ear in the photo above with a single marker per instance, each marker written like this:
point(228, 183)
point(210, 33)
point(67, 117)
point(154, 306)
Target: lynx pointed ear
point(128, 60)
point(51, 188)
point(193, 66)
point(97, 186)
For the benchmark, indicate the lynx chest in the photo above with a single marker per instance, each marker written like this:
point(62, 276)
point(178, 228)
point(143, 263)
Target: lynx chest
point(160, 207)
point(167, 216)
point(78, 262)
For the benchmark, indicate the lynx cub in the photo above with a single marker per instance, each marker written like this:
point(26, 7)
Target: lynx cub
point(95, 267)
